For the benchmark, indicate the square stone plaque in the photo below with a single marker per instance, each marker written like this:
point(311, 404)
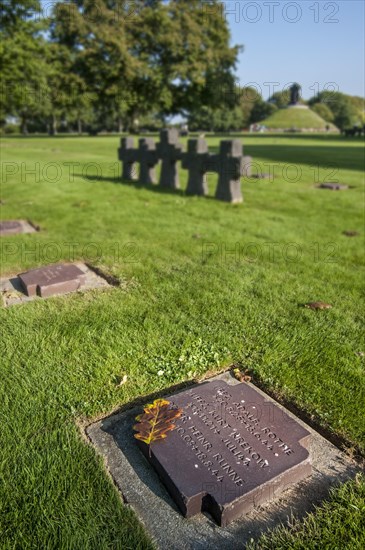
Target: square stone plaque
point(53, 279)
point(14, 227)
point(230, 451)
point(143, 491)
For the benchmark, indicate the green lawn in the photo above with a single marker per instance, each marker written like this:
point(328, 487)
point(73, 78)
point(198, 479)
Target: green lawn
point(203, 284)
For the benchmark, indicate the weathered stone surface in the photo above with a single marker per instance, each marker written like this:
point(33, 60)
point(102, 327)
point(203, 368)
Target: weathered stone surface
point(141, 488)
point(147, 158)
point(53, 279)
point(12, 290)
point(169, 150)
point(10, 227)
point(230, 451)
point(14, 227)
point(229, 166)
point(129, 156)
point(196, 160)
point(333, 186)
point(247, 167)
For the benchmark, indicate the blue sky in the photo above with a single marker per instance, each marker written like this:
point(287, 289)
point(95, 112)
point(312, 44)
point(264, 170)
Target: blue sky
point(319, 44)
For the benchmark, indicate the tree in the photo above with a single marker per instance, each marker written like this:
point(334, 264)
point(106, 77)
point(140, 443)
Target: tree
point(323, 111)
point(165, 57)
point(24, 70)
point(347, 110)
point(261, 110)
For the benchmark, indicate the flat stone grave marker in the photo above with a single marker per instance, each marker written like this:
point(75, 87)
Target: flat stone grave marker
point(229, 451)
point(142, 488)
point(53, 279)
point(14, 227)
point(333, 186)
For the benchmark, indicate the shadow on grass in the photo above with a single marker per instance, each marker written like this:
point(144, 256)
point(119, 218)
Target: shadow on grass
point(131, 183)
point(333, 157)
point(155, 188)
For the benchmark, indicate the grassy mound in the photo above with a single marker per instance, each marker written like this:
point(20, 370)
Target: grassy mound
point(299, 118)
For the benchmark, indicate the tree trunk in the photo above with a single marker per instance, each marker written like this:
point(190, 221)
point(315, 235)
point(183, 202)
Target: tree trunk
point(53, 126)
point(24, 126)
point(120, 125)
point(79, 126)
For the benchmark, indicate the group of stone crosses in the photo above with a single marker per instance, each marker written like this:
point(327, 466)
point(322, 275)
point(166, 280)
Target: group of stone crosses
point(229, 164)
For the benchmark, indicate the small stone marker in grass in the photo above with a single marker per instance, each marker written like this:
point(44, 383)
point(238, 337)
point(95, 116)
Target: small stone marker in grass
point(169, 150)
point(333, 186)
point(230, 450)
point(53, 279)
point(196, 161)
point(14, 227)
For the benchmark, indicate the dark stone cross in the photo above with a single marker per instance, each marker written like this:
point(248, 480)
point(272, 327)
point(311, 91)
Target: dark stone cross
point(129, 156)
point(247, 167)
point(196, 160)
point(169, 150)
point(147, 158)
point(229, 166)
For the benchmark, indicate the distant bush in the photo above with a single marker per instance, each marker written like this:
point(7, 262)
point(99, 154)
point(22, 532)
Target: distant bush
point(11, 129)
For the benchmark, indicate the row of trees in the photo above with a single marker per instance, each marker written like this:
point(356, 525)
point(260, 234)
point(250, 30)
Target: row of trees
point(117, 65)
point(111, 63)
point(344, 111)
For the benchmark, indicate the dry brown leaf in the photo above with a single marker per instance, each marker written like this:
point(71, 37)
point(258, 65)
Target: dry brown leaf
point(318, 305)
point(242, 376)
point(122, 381)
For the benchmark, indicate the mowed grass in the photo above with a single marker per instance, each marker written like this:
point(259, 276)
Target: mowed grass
point(203, 284)
point(290, 117)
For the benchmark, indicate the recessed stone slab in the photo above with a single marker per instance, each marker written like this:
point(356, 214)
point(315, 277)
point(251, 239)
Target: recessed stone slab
point(333, 186)
point(144, 492)
point(13, 227)
point(52, 279)
point(229, 451)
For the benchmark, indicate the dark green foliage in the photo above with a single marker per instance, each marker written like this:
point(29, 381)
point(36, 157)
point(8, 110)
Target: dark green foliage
point(346, 110)
point(112, 63)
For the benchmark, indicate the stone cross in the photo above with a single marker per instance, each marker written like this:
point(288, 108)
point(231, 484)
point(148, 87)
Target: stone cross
point(169, 150)
point(247, 167)
point(196, 160)
point(229, 166)
point(147, 158)
point(129, 156)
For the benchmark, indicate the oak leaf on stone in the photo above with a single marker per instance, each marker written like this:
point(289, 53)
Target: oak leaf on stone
point(156, 421)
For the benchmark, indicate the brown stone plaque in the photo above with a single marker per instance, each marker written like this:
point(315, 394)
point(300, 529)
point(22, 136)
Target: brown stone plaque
point(231, 450)
point(10, 227)
point(53, 279)
point(333, 186)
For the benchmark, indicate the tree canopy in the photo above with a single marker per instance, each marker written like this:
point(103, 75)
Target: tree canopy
point(113, 61)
